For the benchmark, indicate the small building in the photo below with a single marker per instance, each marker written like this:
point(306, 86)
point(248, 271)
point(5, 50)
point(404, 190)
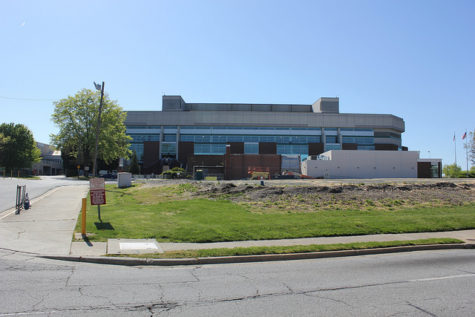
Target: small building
point(51, 162)
point(371, 164)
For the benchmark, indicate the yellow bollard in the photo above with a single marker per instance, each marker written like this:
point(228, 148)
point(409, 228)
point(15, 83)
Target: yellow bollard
point(83, 217)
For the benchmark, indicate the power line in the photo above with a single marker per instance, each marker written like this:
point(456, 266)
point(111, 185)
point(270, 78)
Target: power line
point(25, 99)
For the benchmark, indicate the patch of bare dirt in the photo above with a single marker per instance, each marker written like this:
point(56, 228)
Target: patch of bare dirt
point(350, 196)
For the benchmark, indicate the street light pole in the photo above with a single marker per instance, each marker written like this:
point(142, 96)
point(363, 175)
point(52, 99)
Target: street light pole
point(98, 127)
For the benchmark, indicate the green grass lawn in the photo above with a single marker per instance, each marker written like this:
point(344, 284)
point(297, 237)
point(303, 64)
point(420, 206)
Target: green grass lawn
point(176, 217)
point(289, 249)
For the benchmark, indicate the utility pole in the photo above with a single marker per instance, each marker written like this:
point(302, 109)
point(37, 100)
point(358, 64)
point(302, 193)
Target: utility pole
point(98, 130)
point(98, 127)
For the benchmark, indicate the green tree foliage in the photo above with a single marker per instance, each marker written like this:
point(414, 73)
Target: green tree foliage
point(76, 117)
point(176, 172)
point(452, 170)
point(17, 147)
point(3, 140)
point(134, 164)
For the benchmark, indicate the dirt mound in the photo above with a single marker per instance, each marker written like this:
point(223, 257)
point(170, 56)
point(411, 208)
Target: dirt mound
point(345, 196)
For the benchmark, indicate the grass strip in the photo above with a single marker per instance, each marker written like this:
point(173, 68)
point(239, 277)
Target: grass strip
point(134, 213)
point(289, 249)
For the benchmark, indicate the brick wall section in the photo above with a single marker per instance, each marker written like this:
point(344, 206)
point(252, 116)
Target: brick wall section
point(151, 161)
point(185, 149)
point(349, 146)
point(237, 147)
point(267, 148)
point(315, 148)
point(204, 160)
point(385, 147)
point(240, 164)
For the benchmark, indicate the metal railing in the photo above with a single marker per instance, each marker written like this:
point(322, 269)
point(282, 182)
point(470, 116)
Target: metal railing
point(20, 198)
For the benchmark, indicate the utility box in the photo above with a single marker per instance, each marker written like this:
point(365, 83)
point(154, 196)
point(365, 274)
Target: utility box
point(124, 180)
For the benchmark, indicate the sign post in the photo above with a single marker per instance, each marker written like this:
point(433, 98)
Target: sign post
point(98, 194)
point(83, 218)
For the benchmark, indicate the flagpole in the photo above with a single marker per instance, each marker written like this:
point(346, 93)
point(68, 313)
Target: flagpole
point(466, 149)
point(455, 145)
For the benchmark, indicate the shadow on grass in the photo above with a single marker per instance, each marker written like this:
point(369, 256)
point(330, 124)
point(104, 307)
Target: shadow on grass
point(104, 226)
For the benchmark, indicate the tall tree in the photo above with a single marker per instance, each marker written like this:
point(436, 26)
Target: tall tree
point(17, 147)
point(76, 116)
point(452, 170)
point(3, 140)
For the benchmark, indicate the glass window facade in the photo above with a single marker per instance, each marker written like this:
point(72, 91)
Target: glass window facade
point(210, 149)
point(332, 146)
point(251, 148)
point(212, 140)
point(169, 138)
point(301, 149)
point(299, 139)
point(389, 135)
point(140, 138)
point(168, 149)
point(138, 148)
point(358, 140)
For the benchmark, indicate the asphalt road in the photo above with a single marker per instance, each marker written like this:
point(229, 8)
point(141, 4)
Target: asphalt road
point(34, 187)
point(425, 283)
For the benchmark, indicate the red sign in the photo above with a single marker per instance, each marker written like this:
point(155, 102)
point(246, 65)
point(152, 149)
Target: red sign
point(98, 197)
point(98, 191)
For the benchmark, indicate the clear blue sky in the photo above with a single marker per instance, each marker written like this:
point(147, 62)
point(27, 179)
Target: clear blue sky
point(413, 59)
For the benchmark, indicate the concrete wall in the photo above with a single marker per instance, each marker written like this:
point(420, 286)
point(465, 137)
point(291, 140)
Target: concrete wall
point(246, 107)
point(262, 119)
point(363, 164)
point(330, 105)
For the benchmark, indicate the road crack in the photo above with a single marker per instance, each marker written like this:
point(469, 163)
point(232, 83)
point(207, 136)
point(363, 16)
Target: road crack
point(327, 298)
point(69, 276)
point(421, 309)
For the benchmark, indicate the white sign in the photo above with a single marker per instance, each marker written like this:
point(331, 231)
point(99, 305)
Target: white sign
point(97, 183)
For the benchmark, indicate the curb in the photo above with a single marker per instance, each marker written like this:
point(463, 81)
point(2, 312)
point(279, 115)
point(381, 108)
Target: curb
point(254, 258)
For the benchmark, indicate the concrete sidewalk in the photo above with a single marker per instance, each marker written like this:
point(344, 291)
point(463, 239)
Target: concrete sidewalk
point(47, 227)
point(466, 235)
point(113, 245)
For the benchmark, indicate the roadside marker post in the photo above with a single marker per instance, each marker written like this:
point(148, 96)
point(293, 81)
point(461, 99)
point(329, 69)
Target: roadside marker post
point(98, 194)
point(83, 217)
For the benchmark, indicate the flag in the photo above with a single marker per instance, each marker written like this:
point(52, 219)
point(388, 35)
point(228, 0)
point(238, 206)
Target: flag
point(454, 136)
point(464, 135)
